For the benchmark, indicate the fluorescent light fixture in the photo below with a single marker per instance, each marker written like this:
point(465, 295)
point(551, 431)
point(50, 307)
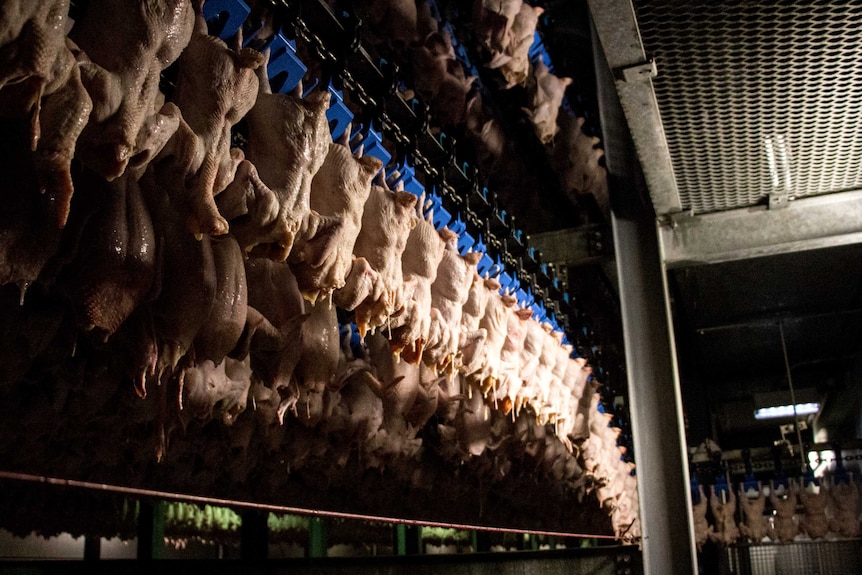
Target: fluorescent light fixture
point(786, 410)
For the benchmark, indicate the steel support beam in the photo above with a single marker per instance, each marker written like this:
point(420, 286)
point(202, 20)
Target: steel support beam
point(617, 29)
point(572, 247)
point(805, 224)
point(655, 402)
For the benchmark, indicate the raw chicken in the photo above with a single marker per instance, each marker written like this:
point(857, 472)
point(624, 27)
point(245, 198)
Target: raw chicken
point(493, 21)
point(472, 343)
point(223, 327)
point(726, 531)
point(188, 280)
point(114, 269)
point(754, 524)
point(845, 509)
point(216, 87)
point(439, 79)
point(274, 294)
point(389, 21)
point(387, 222)
point(409, 330)
point(702, 529)
point(510, 359)
point(814, 522)
point(32, 38)
point(127, 45)
point(288, 140)
point(576, 159)
point(29, 236)
point(217, 390)
point(513, 61)
point(534, 341)
point(494, 322)
point(449, 293)
point(784, 528)
point(546, 93)
point(61, 111)
point(320, 365)
point(323, 253)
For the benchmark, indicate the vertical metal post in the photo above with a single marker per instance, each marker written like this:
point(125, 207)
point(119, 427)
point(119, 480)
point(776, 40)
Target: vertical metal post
point(400, 535)
point(151, 529)
point(655, 401)
point(254, 535)
point(653, 382)
point(316, 537)
point(92, 548)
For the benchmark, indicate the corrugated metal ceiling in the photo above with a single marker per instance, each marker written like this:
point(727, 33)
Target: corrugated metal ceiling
point(757, 98)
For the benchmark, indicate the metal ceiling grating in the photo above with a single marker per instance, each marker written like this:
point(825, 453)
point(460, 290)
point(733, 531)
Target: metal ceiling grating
point(757, 97)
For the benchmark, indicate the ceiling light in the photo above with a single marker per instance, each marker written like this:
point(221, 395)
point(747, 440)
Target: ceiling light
point(786, 410)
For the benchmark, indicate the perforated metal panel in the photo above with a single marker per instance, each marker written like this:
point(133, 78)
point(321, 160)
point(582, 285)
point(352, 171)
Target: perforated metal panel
point(757, 97)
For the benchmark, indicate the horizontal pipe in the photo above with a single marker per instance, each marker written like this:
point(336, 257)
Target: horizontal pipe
point(167, 495)
point(772, 320)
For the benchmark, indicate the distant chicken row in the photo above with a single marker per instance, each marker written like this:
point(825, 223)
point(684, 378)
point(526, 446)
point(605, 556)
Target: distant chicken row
point(830, 509)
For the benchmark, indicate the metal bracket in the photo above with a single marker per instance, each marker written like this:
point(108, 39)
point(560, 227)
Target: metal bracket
point(778, 201)
point(638, 72)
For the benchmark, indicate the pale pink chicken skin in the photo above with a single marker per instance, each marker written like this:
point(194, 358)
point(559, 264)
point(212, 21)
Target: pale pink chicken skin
point(387, 221)
point(493, 21)
point(784, 529)
point(32, 38)
point(546, 93)
point(288, 140)
point(323, 253)
point(726, 532)
point(814, 522)
point(115, 266)
point(513, 61)
point(845, 509)
point(216, 87)
point(409, 330)
point(449, 292)
point(121, 73)
point(754, 524)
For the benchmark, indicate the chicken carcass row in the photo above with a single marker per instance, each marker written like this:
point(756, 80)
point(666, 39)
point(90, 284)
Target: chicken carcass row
point(449, 293)
point(323, 252)
point(419, 263)
point(288, 141)
point(216, 87)
point(127, 45)
point(386, 224)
